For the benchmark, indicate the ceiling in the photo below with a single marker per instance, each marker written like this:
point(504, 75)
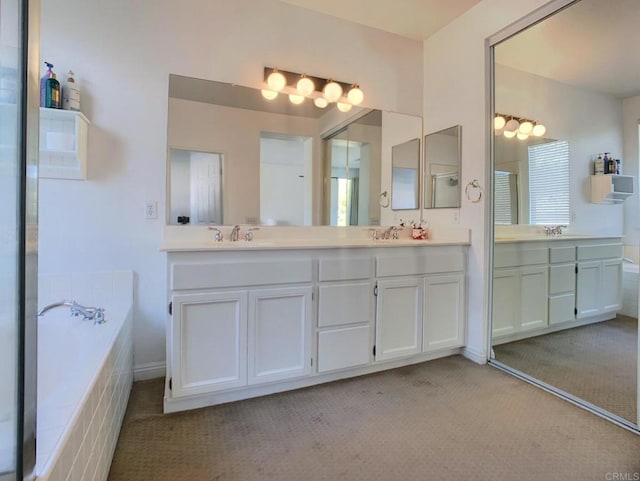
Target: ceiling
point(417, 19)
point(592, 44)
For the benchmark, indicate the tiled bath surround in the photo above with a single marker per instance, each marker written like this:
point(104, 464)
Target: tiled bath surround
point(84, 450)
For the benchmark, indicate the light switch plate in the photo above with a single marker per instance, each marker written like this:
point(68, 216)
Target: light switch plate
point(150, 209)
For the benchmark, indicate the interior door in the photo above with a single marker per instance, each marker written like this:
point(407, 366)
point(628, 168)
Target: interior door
point(206, 188)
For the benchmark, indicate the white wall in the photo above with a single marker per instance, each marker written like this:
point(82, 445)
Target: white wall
point(123, 52)
point(589, 121)
point(630, 160)
point(455, 82)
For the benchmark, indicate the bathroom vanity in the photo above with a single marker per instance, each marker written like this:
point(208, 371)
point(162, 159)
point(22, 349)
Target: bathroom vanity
point(253, 318)
point(545, 284)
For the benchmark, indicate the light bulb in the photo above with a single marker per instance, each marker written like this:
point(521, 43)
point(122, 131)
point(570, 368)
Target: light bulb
point(525, 127)
point(305, 85)
point(276, 81)
point(509, 134)
point(355, 95)
point(332, 91)
point(296, 99)
point(269, 94)
point(498, 122)
point(320, 102)
point(342, 107)
point(539, 130)
point(512, 125)
point(522, 136)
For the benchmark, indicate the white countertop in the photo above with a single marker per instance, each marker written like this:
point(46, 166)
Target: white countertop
point(177, 239)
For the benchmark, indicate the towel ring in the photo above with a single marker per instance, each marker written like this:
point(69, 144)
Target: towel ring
point(384, 200)
point(473, 191)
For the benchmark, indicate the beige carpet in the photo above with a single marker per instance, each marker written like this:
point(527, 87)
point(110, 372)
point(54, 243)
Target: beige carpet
point(447, 419)
point(598, 362)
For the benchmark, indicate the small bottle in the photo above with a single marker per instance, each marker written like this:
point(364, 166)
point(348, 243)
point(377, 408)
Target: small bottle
point(619, 167)
point(50, 89)
point(71, 93)
point(599, 165)
point(606, 162)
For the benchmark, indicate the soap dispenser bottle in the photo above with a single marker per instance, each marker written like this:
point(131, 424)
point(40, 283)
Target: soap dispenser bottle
point(71, 93)
point(50, 89)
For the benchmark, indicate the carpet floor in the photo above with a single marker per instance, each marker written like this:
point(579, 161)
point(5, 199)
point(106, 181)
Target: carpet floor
point(447, 419)
point(598, 362)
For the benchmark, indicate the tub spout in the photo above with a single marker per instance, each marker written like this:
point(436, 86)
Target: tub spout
point(88, 313)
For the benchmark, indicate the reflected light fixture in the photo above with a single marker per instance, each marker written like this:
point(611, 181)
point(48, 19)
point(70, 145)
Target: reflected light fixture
point(269, 94)
point(355, 95)
point(276, 81)
point(332, 91)
point(343, 107)
point(320, 102)
point(512, 125)
point(305, 86)
point(296, 99)
point(538, 130)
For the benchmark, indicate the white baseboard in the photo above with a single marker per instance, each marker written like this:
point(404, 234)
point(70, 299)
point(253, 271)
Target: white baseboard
point(475, 356)
point(151, 370)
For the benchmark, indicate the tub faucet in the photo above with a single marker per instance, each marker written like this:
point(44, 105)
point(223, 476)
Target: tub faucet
point(235, 233)
point(88, 313)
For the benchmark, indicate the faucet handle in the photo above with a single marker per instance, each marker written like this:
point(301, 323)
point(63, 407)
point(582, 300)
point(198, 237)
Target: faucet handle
point(375, 235)
point(218, 237)
point(248, 236)
point(395, 232)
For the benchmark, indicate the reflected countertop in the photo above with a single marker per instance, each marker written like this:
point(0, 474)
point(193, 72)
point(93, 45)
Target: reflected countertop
point(503, 239)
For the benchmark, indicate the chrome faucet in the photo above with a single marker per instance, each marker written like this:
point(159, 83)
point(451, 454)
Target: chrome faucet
point(553, 230)
point(235, 234)
point(88, 313)
point(218, 236)
point(249, 234)
point(391, 233)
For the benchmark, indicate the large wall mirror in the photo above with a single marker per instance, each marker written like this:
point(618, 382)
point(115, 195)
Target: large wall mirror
point(236, 158)
point(565, 299)
point(442, 158)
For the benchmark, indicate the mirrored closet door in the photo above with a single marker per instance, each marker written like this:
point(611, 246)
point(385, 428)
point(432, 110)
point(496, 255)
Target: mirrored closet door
point(566, 95)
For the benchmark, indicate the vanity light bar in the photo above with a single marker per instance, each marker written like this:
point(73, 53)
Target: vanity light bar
point(299, 85)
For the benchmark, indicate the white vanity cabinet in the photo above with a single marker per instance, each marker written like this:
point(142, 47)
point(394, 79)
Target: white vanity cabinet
point(245, 323)
point(345, 311)
point(545, 285)
point(599, 286)
point(421, 303)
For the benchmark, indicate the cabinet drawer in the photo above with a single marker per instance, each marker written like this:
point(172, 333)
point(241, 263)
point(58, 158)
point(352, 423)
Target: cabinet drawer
point(344, 304)
point(343, 348)
point(562, 308)
point(434, 263)
point(520, 257)
point(562, 254)
point(562, 278)
point(233, 274)
point(605, 251)
point(345, 269)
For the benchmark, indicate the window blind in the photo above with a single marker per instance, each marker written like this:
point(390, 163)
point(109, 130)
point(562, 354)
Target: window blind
point(549, 183)
point(506, 199)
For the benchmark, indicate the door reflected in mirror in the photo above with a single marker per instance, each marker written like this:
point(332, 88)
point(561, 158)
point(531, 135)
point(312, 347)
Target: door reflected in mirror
point(196, 187)
point(442, 157)
point(405, 178)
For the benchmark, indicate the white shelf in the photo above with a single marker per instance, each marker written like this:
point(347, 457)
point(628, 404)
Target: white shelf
point(611, 188)
point(63, 144)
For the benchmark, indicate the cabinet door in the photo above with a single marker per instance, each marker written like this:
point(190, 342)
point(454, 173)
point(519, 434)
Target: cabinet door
point(534, 296)
point(588, 288)
point(443, 312)
point(506, 302)
point(611, 285)
point(279, 333)
point(399, 318)
point(208, 342)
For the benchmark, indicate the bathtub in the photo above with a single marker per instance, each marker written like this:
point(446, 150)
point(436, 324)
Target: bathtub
point(630, 284)
point(85, 373)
